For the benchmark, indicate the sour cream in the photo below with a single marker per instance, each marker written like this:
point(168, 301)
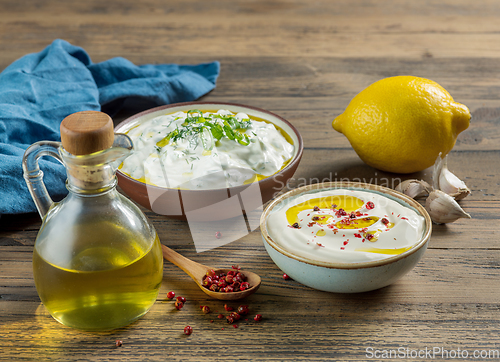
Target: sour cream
point(199, 160)
point(345, 226)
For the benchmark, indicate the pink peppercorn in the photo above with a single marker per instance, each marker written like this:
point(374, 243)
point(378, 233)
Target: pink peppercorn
point(244, 286)
point(243, 310)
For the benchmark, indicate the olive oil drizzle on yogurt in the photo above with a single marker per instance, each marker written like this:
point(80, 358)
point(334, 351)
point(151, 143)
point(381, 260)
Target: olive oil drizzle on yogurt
point(345, 226)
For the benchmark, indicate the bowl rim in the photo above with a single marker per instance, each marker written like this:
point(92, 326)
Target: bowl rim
point(293, 161)
point(345, 185)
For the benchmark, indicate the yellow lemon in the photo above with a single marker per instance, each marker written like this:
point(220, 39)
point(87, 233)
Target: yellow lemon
point(401, 124)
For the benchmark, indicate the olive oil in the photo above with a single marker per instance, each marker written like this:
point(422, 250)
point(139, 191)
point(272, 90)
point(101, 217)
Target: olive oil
point(97, 260)
point(103, 286)
point(348, 203)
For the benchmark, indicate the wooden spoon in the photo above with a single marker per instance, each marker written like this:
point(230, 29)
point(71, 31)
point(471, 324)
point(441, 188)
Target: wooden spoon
point(196, 271)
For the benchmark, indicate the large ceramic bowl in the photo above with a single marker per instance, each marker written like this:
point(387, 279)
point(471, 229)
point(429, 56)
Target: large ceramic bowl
point(345, 277)
point(177, 203)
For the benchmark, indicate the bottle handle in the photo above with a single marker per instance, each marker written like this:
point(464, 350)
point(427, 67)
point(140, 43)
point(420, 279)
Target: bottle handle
point(34, 176)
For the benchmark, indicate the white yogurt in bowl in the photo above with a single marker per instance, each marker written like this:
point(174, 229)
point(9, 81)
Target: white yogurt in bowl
point(345, 237)
point(195, 150)
point(345, 226)
point(229, 160)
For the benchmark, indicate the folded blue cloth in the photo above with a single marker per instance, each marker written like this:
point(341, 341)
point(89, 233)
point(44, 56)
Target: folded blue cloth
point(39, 90)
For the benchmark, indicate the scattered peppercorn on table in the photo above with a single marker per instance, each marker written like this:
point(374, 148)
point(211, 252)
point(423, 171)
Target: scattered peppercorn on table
point(304, 61)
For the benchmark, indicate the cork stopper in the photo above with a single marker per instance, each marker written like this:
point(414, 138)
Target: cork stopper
point(86, 132)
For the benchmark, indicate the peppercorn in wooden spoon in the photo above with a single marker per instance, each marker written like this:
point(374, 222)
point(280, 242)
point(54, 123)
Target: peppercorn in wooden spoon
point(199, 272)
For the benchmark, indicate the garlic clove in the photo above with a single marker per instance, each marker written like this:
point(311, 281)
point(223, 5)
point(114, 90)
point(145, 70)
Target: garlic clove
point(446, 181)
point(414, 188)
point(436, 171)
point(451, 184)
point(443, 208)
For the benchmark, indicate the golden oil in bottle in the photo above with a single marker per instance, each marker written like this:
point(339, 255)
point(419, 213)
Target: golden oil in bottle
point(104, 286)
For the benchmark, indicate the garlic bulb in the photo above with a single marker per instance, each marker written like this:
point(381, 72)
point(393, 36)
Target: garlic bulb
point(446, 181)
point(443, 208)
point(414, 188)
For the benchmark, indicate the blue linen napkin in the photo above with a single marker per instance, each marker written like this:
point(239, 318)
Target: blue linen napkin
point(39, 90)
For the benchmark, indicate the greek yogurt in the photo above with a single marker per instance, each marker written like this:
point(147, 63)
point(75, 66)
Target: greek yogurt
point(205, 150)
point(345, 226)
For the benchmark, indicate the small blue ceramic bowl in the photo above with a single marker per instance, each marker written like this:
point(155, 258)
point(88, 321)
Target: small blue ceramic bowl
point(345, 277)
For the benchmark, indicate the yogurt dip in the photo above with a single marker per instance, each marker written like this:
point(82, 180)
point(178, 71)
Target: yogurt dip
point(345, 226)
point(205, 150)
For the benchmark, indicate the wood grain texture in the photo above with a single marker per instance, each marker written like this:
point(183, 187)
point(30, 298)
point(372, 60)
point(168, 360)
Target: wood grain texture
point(303, 60)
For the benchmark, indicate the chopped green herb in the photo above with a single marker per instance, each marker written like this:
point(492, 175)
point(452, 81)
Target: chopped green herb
point(208, 130)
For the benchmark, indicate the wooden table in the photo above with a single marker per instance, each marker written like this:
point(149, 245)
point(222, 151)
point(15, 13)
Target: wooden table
point(303, 60)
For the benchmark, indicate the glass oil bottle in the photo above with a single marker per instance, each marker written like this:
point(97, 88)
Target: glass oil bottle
point(97, 261)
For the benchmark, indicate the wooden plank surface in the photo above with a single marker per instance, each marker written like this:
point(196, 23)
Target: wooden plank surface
point(303, 60)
